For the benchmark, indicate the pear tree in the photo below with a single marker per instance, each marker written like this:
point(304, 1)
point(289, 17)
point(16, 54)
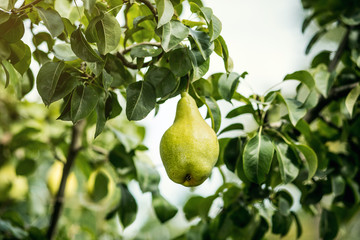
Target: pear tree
point(99, 66)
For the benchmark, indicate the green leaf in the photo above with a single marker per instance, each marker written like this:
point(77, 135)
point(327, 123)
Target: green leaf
point(280, 223)
point(143, 51)
point(12, 30)
point(192, 24)
point(4, 16)
point(261, 229)
point(12, 76)
point(329, 226)
point(100, 189)
point(89, 5)
point(198, 206)
point(215, 28)
point(147, 176)
point(202, 41)
point(83, 102)
point(295, 109)
point(108, 33)
point(112, 106)
point(172, 34)
point(232, 127)
point(241, 110)
point(323, 79)
point(165, 11)
point(314, 39)
point(310, 158)
point(47, 80)
point(351, 99)
point(81, 47)
point(232, 153)
point(162, 79)
point(205, 12)
point(27, 82)
point(322, 58)
point(25, 167)
point(163, 209)
point(52, 20)
point(199, 65)
point(257, 157)
point(20, 56)
point(101, 115)
point(298, 225)
point(286, 158)
point(338, 185)
point(223, 52)
point(63, 52)
point(41, 37)
point(214, 112)
point(180, 62)
point(121, 76)
point(14, 231)
point(303, 76)
point(64, 86)
point(123, 160)
point(228, 84)
point(5, 50)
point(128, 207)
point(140, 100)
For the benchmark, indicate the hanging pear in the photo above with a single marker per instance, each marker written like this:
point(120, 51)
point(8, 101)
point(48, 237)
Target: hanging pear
point(189, 149)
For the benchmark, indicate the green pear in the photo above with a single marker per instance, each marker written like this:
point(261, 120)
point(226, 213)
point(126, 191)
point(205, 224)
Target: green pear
point(189, 149)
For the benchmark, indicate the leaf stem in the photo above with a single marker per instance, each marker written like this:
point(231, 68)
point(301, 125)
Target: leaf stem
point(222, 174)
point(74, 148)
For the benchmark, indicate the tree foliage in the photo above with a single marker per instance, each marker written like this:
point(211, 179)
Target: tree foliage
point(95, 55)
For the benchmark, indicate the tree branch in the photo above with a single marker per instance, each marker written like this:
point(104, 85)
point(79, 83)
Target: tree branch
point(74, 148)
point(128, 49)
point(335, 93)
point(27, 6)
point(133, 65)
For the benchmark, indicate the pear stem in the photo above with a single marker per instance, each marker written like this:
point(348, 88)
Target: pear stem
point(188, 84)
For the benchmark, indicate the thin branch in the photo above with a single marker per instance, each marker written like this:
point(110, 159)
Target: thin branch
point(133, 65)
point(151, 7)
point(335, 93)
point(27, 6)
point(339, 52)
point(128, 49)
point(74, 148)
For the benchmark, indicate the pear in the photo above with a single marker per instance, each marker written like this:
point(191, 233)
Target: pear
point(189, 149)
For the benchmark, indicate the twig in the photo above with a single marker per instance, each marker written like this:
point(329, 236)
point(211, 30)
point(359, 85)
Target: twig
point(74, 148)
point(133, 65)
point(27, 6)
point(128, 49)
point(334, 93)
point(151, 7)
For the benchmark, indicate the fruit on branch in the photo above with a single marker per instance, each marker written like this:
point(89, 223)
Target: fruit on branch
point(189, 149)
point(54, 178)
point(12, 186)
point(101, 186)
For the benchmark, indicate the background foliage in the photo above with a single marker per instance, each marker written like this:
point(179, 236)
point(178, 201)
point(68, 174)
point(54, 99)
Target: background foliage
point(94, 55)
